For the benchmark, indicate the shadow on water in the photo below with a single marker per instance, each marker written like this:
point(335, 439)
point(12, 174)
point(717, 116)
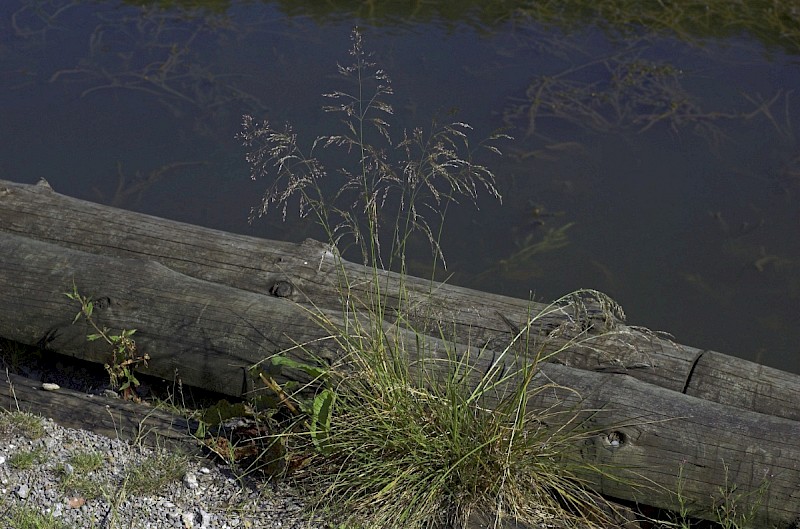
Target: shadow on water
point(656, 152)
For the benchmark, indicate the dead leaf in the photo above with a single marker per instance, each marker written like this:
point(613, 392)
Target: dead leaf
point(76, 502)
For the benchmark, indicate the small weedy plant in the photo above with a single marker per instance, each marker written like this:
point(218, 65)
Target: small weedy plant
point(125, 356)
point(398, 434)
point(25, 459)
point(27, 424)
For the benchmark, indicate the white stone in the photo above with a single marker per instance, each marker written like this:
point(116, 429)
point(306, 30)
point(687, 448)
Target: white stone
point(190, 481)
point(49, 386)
point(187, 519)
point(206, 519)
point(22, 491)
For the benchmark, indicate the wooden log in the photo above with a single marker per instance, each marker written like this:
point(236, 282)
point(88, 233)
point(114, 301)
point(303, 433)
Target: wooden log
point(201, 320)
point(308, 274)
point(207, 334)
point(666, 441)
point(113, 418)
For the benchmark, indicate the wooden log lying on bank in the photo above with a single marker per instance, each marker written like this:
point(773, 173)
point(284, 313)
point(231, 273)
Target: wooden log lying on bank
point(677, 442)
point(210, 304)
point(115, 418)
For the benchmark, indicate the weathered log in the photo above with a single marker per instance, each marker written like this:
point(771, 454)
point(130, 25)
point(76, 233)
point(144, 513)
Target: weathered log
point(187, 291)
point(308, 275)
point(115, 418)
point(661, 442)
point(208, 334)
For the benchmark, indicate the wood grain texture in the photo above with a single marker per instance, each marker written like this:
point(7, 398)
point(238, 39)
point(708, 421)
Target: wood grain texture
point(663, 435)
point(208, 334)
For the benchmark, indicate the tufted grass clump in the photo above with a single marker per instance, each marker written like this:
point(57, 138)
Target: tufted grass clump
point(423, 440)
point(84, 462)
point(29, 517)
point(27, 424)
point(156, 472)
point(27, 459)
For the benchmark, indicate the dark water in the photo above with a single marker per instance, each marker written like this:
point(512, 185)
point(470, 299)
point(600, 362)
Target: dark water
point(663, 172)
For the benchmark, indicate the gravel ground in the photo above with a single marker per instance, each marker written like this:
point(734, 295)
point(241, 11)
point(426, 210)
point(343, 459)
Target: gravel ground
point(52, 472)
point(132, 487)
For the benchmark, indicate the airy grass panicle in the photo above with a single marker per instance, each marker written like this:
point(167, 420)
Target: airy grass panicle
point(414, 175)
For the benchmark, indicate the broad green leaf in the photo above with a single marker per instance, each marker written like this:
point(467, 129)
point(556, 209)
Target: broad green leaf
point(200, 433)
point(290, 386)
point(321, 419)
point(311, 370)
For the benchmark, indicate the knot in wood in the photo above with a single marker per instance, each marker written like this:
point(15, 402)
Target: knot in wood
point(281, 289)
point(102, 303)
point(615, 439)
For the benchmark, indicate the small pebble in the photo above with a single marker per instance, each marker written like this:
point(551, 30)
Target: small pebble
point(22, 491)
point(187, 519)
point(205, 519)
point(190, 481)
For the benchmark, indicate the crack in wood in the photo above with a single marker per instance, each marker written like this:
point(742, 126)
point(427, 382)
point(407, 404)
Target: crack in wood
point(691, 370)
